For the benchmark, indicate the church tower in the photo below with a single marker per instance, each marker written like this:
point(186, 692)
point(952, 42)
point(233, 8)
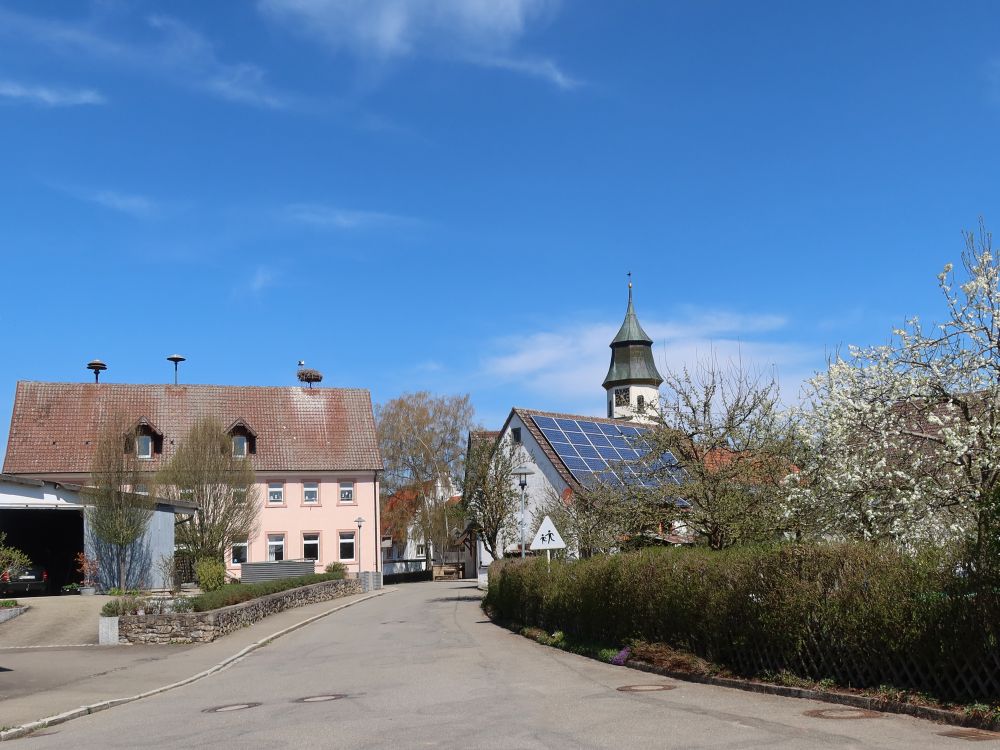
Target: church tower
point(632, 382)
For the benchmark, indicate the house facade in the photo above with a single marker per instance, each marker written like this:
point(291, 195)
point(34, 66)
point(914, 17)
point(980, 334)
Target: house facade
point(314, 452)
point(568, 451)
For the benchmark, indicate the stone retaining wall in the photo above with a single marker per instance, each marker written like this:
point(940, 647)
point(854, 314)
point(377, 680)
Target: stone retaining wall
point(202, 627)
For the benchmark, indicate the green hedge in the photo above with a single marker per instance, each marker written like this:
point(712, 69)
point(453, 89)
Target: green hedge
point(237, 593)
point(862, 615)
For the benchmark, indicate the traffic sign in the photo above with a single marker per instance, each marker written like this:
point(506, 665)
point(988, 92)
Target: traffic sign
point(547, 537)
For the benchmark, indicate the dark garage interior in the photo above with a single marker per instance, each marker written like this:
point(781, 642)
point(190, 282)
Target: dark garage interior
point(51, 538)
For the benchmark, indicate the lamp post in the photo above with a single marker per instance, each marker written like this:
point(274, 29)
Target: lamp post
point(360, 522)
point(522, 473)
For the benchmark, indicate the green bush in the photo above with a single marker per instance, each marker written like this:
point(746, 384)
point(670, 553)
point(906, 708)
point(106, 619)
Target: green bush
point(864, 615)
point(337, 568)
point(210, 573)
point(238, 593)
point(121, 605)
point(8, 603)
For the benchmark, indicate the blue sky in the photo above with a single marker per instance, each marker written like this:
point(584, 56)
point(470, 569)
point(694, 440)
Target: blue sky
point(441, 195)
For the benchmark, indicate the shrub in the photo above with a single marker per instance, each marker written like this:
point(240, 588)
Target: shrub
point(336, 568)
point(121, 605)
point(8, 603)
point(238, 593)
point(182, 604)
point(864, 615)
point(211, 574)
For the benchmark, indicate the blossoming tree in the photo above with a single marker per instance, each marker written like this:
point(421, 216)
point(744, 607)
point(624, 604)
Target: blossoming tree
point(905, 437)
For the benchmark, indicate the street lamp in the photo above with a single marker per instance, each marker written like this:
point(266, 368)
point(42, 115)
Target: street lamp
point(522, 473)
point(360, 522)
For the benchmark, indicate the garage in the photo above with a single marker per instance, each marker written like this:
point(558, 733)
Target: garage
point(51, 538)
point(45, 521)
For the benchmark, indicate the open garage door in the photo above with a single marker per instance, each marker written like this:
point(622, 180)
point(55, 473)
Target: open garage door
point(50, 537)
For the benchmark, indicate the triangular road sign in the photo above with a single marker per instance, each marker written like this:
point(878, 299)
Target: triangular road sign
point(547, 537)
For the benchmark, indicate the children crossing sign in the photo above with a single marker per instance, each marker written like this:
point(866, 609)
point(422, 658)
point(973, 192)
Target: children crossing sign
point(547, 537)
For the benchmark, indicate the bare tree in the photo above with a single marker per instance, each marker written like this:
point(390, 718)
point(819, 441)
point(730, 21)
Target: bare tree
point(422, 438)
point(120, 513)
point(732, 443)
point(489, 491)
point(203, 471)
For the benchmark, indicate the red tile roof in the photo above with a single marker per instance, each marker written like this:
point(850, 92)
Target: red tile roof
point(54, 426)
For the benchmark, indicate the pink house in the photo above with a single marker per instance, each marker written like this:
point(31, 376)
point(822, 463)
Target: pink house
point(314, 451)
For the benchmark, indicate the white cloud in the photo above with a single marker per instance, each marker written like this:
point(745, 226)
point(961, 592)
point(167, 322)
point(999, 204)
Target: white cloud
point(178, 53)
point(565, 368)
point(261, 280)
point(134, 205)
point(50, 97)
point(319, 215)
point(480, 32)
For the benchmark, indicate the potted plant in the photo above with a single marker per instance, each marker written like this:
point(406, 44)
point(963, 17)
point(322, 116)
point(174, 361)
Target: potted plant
point(71, 588)
point(87, 567)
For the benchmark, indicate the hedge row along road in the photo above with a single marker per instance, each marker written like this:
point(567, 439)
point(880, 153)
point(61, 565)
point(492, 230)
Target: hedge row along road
point(422, 667)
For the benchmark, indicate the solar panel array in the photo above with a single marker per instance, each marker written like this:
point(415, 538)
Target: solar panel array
point(600, 451)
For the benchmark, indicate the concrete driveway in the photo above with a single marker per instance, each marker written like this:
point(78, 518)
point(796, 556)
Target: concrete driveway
point(422, 667)
point(54, 621)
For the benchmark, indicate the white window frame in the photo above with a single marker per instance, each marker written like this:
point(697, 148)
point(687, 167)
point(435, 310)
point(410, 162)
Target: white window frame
point(421, 550)
point(240, 440)
point(341, 540)
point(306, 486)
point(280, 487)
point(245, 546)
point(315, 541)
point(340, 492)
point(274, 542)
point(139, 441)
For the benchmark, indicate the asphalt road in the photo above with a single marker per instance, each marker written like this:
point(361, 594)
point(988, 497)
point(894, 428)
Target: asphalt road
point(422, 667)
point(53, 621)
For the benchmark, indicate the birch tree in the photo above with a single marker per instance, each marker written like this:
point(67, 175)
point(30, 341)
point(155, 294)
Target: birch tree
point(490, 493)
point(203, 471)
point(422, 438)
point(119, 514)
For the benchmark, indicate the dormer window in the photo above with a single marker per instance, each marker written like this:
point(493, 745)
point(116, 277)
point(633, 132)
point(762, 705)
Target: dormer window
point(147, 441)
point(244, 439)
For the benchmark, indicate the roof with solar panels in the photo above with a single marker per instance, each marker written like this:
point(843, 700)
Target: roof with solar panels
point(586, 450)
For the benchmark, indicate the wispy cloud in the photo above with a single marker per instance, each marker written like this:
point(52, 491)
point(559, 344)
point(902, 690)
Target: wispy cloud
point(261, 280)
point(480, 32)
point(569, 364)
point(539, 68)
point(319, 215)
point(133, 204)
point(49, 96)
point(177, 52)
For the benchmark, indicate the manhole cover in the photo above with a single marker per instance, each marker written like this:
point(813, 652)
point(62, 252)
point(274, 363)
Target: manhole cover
point(972, 735)
point(231, 707)
point(321, 698)
point(644, 688)
point(842, 713)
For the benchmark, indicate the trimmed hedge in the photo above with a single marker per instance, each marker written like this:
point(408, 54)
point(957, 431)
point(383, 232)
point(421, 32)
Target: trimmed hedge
point(237, 593)
point(863, 615)
point(411, 577)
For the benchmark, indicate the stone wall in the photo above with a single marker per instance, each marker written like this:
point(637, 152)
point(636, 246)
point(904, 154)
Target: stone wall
point(202, 627)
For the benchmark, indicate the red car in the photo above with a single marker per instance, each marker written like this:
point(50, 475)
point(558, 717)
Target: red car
point(30, 580)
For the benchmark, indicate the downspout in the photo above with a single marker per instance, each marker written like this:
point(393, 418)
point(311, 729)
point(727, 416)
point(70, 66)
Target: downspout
point(378, 524)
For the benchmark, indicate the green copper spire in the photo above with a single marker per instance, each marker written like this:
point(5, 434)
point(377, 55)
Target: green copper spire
point(632, 353)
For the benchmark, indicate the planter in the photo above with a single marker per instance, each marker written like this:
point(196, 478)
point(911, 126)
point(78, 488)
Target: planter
point(107, 631)
point(87, 591)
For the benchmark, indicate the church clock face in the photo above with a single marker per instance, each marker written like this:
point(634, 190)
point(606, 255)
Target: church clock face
point(622, 397)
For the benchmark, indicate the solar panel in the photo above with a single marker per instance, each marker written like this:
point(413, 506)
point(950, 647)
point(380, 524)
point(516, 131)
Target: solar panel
point(602, 450)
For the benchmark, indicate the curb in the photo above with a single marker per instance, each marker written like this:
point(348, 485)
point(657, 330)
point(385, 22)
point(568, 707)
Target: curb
point(9, 613)
point(939, 715)
point(75, 713)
